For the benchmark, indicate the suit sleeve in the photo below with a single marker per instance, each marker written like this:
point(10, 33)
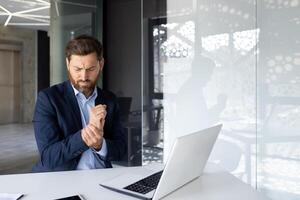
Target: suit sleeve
point(116, 146)
point(55, 150)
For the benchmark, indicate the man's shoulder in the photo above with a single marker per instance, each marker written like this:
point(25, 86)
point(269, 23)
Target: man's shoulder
point(56, 89)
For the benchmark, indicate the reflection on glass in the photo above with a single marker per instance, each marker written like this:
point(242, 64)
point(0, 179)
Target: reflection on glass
point(236, 63)
point(215, 82)
point(245, 40)
point(68, 20)
point(214, 42)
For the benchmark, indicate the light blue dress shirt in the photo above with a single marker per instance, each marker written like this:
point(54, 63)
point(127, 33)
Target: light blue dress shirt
point(89, 159)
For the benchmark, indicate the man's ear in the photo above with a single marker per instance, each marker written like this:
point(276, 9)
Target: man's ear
point(67, 63)
point(101, 64)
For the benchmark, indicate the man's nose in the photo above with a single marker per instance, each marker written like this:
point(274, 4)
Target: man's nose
point(84, 74)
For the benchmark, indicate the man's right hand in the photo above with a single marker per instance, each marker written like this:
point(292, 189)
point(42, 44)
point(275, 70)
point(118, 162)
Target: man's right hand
point(97, 116)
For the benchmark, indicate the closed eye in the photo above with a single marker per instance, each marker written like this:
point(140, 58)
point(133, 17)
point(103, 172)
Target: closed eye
point(91, 69)
point(77, 69)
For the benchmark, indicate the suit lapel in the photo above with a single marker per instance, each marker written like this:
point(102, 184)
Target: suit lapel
point(73, 104)
point(100, 99)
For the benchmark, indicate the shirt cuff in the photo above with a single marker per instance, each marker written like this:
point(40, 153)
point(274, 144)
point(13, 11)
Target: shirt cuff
point(103, 151)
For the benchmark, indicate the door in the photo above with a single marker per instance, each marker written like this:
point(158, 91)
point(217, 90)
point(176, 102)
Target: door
point(9, 84)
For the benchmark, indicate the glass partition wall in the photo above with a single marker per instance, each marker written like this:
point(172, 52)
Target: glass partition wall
point(117, 24)
point(154, 36)
point(237, 63)
point(70, 18)
point(181, 66)
point(210, 78)
point(278, 99)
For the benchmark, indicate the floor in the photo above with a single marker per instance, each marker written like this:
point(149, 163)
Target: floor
point(18, 148)
point(19, 151)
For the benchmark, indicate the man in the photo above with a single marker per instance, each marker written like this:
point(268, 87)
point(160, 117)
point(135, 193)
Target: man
point(77, 124)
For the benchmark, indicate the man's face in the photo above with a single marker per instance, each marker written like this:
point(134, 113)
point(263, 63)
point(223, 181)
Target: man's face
point(84, 72)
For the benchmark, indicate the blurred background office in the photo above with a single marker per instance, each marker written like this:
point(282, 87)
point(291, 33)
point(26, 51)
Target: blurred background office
point(177, 67)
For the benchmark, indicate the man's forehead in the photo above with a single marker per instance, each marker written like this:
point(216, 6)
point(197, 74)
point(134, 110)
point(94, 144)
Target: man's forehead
point(91, 55)
point(83, 59)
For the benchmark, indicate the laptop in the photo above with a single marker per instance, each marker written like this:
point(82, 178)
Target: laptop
point(186, 162)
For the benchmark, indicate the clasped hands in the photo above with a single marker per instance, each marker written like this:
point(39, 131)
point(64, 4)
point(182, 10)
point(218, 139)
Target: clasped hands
point(92, 134)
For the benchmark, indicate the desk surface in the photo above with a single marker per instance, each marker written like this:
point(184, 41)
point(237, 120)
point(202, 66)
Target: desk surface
point(214, 184)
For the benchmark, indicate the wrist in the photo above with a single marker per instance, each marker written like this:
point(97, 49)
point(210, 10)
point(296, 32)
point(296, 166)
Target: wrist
point(98, 147)
point(83, 136)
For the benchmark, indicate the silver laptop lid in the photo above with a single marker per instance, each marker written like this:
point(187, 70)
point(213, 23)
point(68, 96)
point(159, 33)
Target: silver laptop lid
point(186, 160)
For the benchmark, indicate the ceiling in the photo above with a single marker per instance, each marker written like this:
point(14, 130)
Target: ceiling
point(33, 14)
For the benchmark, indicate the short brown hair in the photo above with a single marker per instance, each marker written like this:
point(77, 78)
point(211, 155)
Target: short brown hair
point(83, 45)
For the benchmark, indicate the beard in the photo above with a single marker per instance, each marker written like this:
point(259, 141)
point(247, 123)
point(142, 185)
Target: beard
point(84, 86)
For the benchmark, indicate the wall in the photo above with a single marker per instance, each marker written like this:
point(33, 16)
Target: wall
point(122, 35)
point(27, 39)
point(237, 63)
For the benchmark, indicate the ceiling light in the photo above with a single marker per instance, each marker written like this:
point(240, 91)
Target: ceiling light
point(35, 5)
point(29, 24)
point(7, 20)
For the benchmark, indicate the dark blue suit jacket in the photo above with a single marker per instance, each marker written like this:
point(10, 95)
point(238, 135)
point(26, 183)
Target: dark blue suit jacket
point(57, 126)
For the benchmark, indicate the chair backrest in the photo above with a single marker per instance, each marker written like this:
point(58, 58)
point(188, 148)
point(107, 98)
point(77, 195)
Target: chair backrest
point(124, 104)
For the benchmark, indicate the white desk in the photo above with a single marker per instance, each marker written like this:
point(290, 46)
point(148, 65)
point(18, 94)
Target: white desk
point(214, 184)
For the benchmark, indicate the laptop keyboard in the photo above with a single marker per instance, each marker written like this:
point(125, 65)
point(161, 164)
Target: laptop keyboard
point(146, 184)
